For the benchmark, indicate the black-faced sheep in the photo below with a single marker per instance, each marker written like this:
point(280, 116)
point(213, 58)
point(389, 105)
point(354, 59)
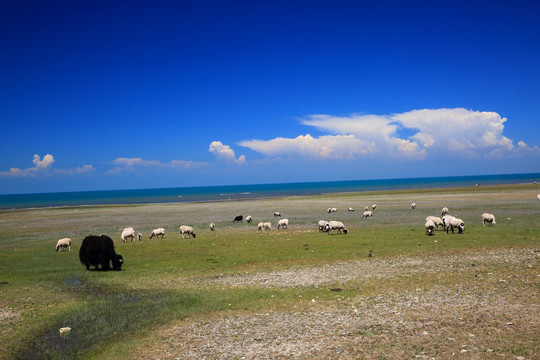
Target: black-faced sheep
point(63, 243)
point(335, 225)
point(212, 226)
point(488, 218)
point(283, 223)
point(128, 233)
point(331, 210)
point(436, 220)
point(373, 207)
point(322, 225)
point(451, 222)
point(260, 226)
point(184, 229)
point(158, 232)
point(413, 206)
point(267, 225)
point(249, 219)
point(98, 251)
point(444, 211)
point(350, 209)
point(277, 214)
point(430, 226)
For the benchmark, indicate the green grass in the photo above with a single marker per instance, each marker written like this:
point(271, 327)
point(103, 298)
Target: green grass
point(111, 312)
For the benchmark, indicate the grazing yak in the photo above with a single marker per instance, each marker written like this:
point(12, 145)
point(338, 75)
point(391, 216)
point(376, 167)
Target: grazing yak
point(99, 250)
point(238, 218)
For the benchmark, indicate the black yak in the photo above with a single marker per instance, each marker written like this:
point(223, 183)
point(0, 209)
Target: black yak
point(99, 250)
point(239, 218)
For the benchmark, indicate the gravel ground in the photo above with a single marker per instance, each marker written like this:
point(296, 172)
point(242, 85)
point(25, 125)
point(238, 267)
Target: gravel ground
point(495, 317)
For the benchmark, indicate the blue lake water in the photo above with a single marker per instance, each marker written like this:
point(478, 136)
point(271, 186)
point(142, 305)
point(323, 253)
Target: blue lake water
point(237, 192)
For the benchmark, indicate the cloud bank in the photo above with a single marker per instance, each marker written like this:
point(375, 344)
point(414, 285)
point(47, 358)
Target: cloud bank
point(130, 164)
point(413, 135)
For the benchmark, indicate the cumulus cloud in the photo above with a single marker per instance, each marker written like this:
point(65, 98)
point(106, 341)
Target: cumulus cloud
point(225, 152)
point(40, 166)
point(456, 132)
point(44, 166)
point(130, 164)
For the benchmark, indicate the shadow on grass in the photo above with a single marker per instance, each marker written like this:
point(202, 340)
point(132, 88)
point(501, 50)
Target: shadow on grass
point(106, 315)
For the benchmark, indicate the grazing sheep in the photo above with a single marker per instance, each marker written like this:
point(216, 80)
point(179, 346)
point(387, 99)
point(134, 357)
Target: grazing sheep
point(335, 225)
point(331, 210)
point(367, 214)
point(430, 226)
point(249, 219)
point(157, 232)
point(277, 214)
point(63, 243)
point(413, 206)
point(366, 208)
point(444, 211)
point(99, 250)
point(260, 226)
point(322, 225)
point(128, 233)
point(538, 196)
point(267, 225)
point(283, 223)
point(373, 207)
point(238, 218)
point(451, 222)
point(436, 220)
point(350, 209)
point(212, 226)
point(488, 218)
point(139, 236)
point(184, 229)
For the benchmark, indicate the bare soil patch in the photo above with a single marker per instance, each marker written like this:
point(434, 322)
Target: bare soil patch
point(494, 316)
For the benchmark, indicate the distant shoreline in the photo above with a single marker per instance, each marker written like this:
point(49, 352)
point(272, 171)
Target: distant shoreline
point(255, 192)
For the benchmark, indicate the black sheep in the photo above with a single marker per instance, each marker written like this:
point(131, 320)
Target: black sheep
point(99, 250)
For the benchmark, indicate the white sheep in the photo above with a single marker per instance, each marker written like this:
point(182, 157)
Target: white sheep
point(373, 207)
point(413, 206)
point(128, 233)
point(184, 229)
point(158, 232)
point(538, 196)
point(212, 226)
point(436, 220)
point(444, 211)
point(331, 210)
point(350, 209)
point(451, 222)
point(277, 214)
point(249, 219)
point(63, 243)
point(260, 226)
point(335, 225)
point(367, 214)
point(322, 225)
point(267, 225)
point(488, 218)
point(283, 223)
point(366, 208)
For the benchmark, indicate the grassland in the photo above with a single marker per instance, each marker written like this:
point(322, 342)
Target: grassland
point(296, 293)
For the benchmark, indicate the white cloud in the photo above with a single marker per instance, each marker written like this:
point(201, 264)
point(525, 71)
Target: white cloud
point(225, 152)
point(130, 164)
point(44, 166)
point(41, 166)
point(456, 132)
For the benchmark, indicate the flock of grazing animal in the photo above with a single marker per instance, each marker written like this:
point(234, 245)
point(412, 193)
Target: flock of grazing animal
point(98, 251)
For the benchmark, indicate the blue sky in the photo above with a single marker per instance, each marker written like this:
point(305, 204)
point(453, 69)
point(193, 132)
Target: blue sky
point(119, 95)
